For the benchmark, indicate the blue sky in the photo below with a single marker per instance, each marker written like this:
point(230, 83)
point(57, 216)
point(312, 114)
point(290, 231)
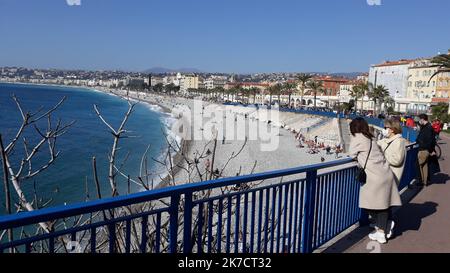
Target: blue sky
point(220, 35)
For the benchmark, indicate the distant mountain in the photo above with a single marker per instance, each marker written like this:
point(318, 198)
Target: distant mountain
point(161, 70)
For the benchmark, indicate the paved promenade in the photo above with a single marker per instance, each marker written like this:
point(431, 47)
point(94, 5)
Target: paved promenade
point(423, 224)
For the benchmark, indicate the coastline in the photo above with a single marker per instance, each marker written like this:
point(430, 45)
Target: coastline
point(251, 160)
point(183, 144)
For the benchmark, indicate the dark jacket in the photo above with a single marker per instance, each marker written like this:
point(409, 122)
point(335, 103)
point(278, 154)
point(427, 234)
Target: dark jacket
point(426, 139)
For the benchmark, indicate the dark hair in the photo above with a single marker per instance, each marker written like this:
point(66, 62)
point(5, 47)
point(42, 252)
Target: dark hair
point(360, 125)
point(424, 117)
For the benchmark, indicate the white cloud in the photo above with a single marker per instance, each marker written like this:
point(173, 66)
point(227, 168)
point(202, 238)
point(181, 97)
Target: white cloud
point(73, 2)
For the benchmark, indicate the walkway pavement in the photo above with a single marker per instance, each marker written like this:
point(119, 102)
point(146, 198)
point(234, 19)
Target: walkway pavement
point(423, 224)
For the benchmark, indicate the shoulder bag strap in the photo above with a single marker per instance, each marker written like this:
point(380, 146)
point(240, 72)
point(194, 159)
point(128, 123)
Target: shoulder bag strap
point(367, 159)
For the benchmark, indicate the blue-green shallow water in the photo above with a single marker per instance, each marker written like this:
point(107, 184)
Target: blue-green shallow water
point(65, 181)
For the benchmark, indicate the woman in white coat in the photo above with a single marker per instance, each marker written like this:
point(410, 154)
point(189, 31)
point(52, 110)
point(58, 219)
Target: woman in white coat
point(393, 146)
point(379, 193)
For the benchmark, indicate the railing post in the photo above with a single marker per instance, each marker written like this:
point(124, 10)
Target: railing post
point(173, 228)
point(187, 247)
point(308, 221)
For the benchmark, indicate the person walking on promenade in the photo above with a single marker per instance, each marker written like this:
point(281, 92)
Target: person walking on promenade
point(379, 192)
point(393, 146)
point(410, 122)
point(437, 127)
point(426, 141)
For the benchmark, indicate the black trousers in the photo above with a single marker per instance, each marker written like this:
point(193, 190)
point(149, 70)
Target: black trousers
point(380, 218)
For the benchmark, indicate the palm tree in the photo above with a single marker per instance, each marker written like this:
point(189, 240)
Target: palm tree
point(389, 102)
point(238, 89)
point(253, 91)
point(358, 91)
point(302, 79)
point(235, 91)
point(288, 88)
point(231, 92)
point(278, 89)
point(244, 94)
point(440, 112)
point(443, 61)
point(158, 88)
point(273, 90)
point(220, 90)
point(315, 86)
point(378, 94)
point(171, 87)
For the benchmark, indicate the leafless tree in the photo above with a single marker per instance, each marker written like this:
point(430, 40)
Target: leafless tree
point(191, 164)
point(17, 174)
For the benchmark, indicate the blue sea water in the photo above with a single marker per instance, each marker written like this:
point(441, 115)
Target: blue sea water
point(66, 180)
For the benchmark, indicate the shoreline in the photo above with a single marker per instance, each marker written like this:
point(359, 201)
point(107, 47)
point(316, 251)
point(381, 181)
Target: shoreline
point(251, 160)
point(183, 144)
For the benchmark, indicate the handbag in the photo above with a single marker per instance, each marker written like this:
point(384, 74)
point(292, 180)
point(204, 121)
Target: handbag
point(361, 175)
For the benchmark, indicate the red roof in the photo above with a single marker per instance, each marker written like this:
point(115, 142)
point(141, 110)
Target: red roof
point(392, 63)
point(437, 100)
point(332, 79)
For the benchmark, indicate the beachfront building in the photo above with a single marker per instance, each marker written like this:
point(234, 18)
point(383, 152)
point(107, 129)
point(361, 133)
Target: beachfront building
point(135, 83)
point(345, 91)
point(156, 80)
point(392, 75)
point(331, 85)
point(214, 82)
point(363, 77)
point(330, 94)
point(443, 85)
point(248, 85)
point(262, 97)
point(421, 90)
point(189, 81)
point(172, 79)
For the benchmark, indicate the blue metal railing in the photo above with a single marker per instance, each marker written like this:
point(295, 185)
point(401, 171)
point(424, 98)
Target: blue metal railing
point(295, 216)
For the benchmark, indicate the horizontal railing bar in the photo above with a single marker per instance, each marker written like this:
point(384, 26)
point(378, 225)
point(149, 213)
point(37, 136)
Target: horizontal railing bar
point(214, 198)
point(337, 171)
point(58, 233)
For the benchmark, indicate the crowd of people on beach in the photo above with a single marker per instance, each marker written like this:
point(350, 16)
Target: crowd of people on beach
point(314, 146)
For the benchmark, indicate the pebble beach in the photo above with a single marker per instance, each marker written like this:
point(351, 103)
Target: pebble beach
point(243, 154)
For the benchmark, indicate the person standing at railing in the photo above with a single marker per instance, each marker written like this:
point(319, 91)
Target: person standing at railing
point(379, 192)
point(393, 146)
point(426, 141)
